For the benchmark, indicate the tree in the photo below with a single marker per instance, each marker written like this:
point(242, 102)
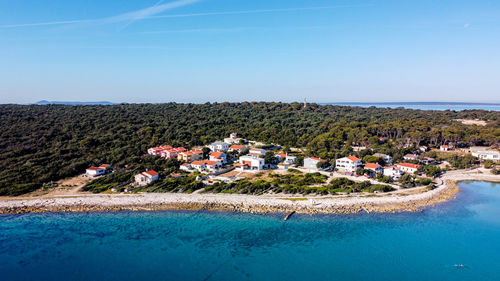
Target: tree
point(371, 159)
point(360, 171)
point(206, 152)
point(269, 157)
point(323, 165)
point(488, 164)
point(432, 171)
point(406, 180)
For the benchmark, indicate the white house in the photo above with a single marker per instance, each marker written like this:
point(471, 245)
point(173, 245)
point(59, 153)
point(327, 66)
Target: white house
point(445, 148)
point(237, 147)
point(257, 151)
point(290, 159)
point(375, 168)
point(98, 171)
point(212, 165)
point(410, 157)
point(189, 156)
point(251, 162)
point(428, 160)
point(407, 167)
point(219, 146)
point(95, 171)
point(312, 162)
point(487, 155)
point(158, 150)
point(198, 165)
point(387, 158)
point(185, 167)
point(393, 172)
point(348, 164)
point(146, 177)
point(173, 152)
point(233, 138)
point(280, 156)
point(218, 156)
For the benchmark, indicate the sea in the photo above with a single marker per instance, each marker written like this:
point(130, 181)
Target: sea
point(457, 240)
point(456, 106)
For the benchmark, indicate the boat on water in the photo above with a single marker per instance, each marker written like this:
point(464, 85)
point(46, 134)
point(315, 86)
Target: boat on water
point(289, 215)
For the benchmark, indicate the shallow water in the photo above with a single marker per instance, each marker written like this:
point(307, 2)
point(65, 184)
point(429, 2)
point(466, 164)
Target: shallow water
point(178, 245)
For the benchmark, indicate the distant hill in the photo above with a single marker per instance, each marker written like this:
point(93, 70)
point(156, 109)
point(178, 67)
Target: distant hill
point(45, 102)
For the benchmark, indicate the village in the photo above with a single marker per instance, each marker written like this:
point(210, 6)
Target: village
point(236, 158)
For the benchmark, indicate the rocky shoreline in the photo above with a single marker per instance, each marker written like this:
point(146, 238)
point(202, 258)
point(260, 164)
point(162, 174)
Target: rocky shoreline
point(234, 203)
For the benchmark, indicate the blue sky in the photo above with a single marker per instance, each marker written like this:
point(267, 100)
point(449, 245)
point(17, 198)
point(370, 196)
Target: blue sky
point(233, 50)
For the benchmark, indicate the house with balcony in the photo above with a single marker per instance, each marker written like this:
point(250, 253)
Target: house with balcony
point(348, 164)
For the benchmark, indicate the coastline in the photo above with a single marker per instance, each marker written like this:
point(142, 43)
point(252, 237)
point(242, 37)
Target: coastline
point(409, 200)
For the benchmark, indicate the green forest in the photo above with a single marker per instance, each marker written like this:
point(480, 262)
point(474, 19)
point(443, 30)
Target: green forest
point(44, 143)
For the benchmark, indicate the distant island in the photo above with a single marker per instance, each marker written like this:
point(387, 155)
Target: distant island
point(452, 106)
point(46, 102)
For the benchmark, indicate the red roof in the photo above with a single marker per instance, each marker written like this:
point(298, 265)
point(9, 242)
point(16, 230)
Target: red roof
point(105, 166)
point(282, 155)
point(236, 146)
point(94, 168)
point(371, 165)
point(192, 152)
point(408, 165)
point(392, 167)
point(216, 154)
point(176, 175)
point(411, 156)
point(210, 163)
point(151, 173)
point(160, 148)
point(353, 158)
point(198, 163)
point(316, 158)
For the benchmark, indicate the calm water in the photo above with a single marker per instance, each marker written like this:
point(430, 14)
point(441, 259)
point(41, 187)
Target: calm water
point(221, 246)
point(427, 105)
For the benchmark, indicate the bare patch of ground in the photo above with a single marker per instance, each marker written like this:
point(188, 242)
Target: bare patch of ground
point(473, 122)
point(66, 186)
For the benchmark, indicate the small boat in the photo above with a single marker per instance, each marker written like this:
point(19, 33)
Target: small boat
point(459, 265)
point(289, 215)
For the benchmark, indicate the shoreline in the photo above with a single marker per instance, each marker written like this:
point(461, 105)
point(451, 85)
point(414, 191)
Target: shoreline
point(258, 204)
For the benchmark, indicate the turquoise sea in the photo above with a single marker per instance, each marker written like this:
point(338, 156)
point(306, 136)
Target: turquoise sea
point(182, 245)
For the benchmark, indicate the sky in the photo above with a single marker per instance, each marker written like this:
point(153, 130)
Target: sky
point(261, 50)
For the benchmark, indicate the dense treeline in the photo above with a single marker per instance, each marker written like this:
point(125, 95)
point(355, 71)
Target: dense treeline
point(39, 144)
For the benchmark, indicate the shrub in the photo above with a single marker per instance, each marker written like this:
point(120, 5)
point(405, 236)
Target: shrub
point(488, 164)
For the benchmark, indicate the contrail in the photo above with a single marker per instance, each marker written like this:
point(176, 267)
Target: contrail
point(262, 11)
point(148, 13)
point(130, 16)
